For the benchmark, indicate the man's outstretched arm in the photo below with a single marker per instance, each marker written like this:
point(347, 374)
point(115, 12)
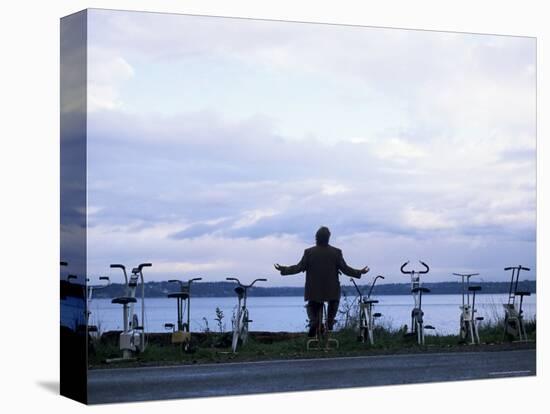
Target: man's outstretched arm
point(292, 270)
point(350, 271)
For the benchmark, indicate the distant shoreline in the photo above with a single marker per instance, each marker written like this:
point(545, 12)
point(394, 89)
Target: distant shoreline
point(226, 289)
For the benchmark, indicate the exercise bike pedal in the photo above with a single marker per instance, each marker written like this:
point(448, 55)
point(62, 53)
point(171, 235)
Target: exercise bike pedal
point(377, 315)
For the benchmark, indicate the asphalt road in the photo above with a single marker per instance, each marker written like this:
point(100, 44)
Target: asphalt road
point(192, 381)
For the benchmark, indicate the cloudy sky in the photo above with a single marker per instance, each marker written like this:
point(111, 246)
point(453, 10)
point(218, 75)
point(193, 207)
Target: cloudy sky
point(217, 147)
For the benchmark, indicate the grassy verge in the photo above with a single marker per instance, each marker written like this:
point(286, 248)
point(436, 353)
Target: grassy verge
point(216, 347)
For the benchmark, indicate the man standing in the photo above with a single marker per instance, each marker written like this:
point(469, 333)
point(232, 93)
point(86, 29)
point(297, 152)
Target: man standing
point(322, 264)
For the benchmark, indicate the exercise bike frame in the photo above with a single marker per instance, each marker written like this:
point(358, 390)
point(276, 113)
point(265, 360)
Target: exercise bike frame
point(132, 338)
point(366, 314)
point(240, 318)
point(89, 297)
point(513, 314)
point(182, 334)
point(322, 340)
point(417, 315)
point(468, 320)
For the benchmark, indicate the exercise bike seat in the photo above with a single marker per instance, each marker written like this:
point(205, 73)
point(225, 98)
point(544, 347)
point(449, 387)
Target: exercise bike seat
point(522, 293)
point(124, 300)
point(474, 288)
point(179, 295)
point(420, 289)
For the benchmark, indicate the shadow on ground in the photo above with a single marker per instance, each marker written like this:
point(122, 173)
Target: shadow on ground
point(51, 386)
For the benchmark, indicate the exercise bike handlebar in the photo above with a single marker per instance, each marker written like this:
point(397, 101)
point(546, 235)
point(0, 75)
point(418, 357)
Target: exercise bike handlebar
point(182, 282)
point(245, 286)
point(142, 265)
point(101, 286)
point(356, 287)
point(257, 280)
point(410, 272)
point(426, 266)
point(120, 266)
point(520, 267)
point(466, 274)
point(373, 283)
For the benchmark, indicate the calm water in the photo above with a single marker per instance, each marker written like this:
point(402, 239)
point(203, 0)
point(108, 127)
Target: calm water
point(288, 313)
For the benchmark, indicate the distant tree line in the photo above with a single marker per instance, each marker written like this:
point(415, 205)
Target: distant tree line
point(223, 289)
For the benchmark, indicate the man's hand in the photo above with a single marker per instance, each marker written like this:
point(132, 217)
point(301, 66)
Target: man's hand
point(364, 270)
point(278, 267)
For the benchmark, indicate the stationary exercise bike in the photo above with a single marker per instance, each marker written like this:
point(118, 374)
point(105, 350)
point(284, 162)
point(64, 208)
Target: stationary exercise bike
point(72, 302)
point(513, 312)
point(241, 316)
point(366, 313)
point(417, 314)
point(89, 297)
point(468, 319)
point(322, 340)
point(182, 335)
point(132, 337)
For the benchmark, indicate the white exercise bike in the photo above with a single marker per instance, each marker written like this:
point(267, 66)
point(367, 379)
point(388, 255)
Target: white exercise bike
point(417, 314)
point(513, 311)
point(132, 337)
point(241, 317)
point(367, 315)
point(468, 320)
point(89, 297)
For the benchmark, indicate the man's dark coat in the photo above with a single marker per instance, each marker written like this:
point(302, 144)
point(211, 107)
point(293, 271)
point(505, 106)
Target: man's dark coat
point(321, 264)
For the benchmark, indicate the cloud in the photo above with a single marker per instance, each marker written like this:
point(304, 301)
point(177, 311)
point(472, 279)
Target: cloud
point(398, 149)
point(153, 172)
point(378, 80)
point(107, 72)
point(252, 217)
point(406, 144)
point(334, 189)
point(426, 220)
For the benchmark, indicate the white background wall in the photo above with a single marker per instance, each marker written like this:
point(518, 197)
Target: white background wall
point(29, 124)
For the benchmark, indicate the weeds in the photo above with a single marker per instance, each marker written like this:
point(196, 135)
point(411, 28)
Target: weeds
point(219, 319)
point(215, 347)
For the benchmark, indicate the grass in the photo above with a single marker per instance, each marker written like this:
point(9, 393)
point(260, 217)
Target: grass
point(216, 347)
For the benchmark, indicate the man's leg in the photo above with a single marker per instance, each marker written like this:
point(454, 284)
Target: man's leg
point(331, 313)
point(313, 316)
